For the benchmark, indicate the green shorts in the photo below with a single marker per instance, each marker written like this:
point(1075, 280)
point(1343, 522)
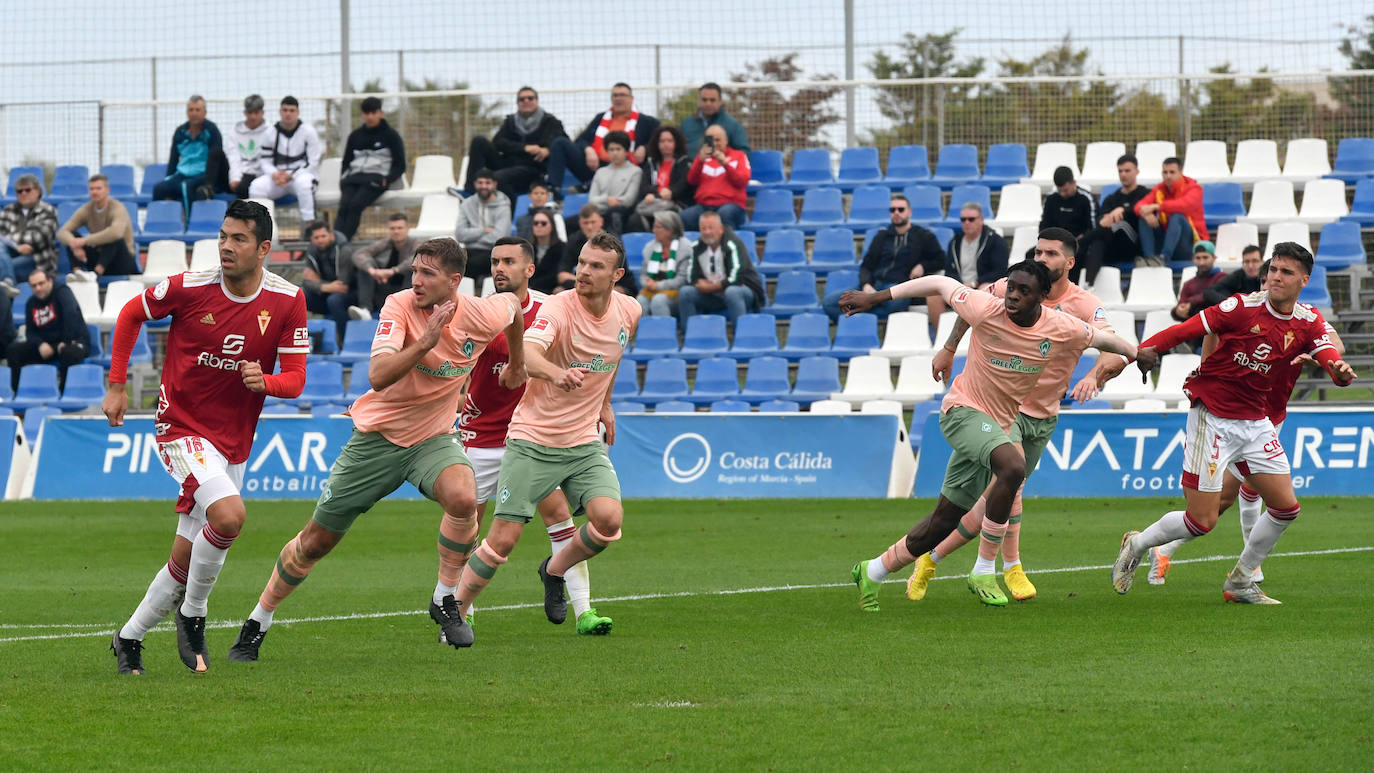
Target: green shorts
point(530, 472)
point(972, 435)
point(1033, 434)
point(370, 467)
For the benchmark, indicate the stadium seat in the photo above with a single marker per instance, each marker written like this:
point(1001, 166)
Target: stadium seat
point(85, 387)
point(626, 379)
point(1271, 202)
point(521, 207)
point(1006, 164)
point(765, 379)
point(1306, 159)
point(357, 344)
point(1099, 164)
point(765, 170)
point(926, 204)
point(439, 216)
point(280, 409)
point(830, 407)
point(868, 378)
point(919, 413)
point(19, 302)
point(1107, 190)
point(868, 241)
point(1023, 240)
point(206, 219)
point(166, 257)
point(944, 327)
point(779, 406)
point(907, 333)
point(205, 255)
point(817, 379)
point(868, 207)
point(1123, 322)
point(323, 384)
point(1323, 201)
point(943, 236)
point(634, 247)
point(807, 335)
point(1362, 208)
point(717, 378)
point(963, 195)
point(358, 385)
point(1126, 386)
point(627, 406)
point(324, 328)
point(1256, 160)
point(810, 169)
point(751, 244)
point(1145, 404)
point(19, 171)
point(674, 406)
point(855, 336)
point(915, 382)
point(795, 293)
point(1340, 246)
point(665, 378)
point(773, 208)
point(1205, 161)
point(433, 175)
point(1107, 288)
point(1152, 287)
point(87, 299)
point(1316, 293)
point(162, 220)
point(1151, 154)
point(1019, 205)
point(755, 335)
point(327, 192)
point(858, 166)
point(69, 183)
point(1091, 405)
point(783, 250)
point(656, 337)
point(141, 354)
point(821, 208)
point(325, 410)
point(907, 165)
point(573, 202)
point(34, 418)
point(703, 337)
point(1155, 321)
point(1173, 369)
point(5, 391)
point(1289, 231)
point(1354, 160)
point(956, 165)
point(1049, 156)
point(117, 294)
point(1231, 238)
point(729, 406)
point(832, 250)
point(152, 175)
point(37, 386)
point(842, 279)
point(1222, 203)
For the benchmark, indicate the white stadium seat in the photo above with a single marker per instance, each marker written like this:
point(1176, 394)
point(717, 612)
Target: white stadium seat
point(433, 174)
point(1323, 201)
point(327, 193)
point(1107, 287)
point(397, 194)
point(1231, 239)
point(945, 327)
point(1019, 205)
point(1023, 238)
point(1271, 202)
point(1048, 157)
point(1205, 161)
point(165, 258)
point(205, 255)
point(868, 378)
point(1156, 321)
point(1152, 287)
point(1187, 273)
point(87, 298)
point(438, 216)
point(1126, 386)
point(1145, 405)
point(1173, 370)
point(271, 206)
point(1151, 154)
point(915, 382)
point(1306, 159)
point(1123, 322)
point(830, 407)
point(908, 333)
point(882, 407)
point(117, 293)
point(1290, 231)
point(1256, 160)
point(1099, 164)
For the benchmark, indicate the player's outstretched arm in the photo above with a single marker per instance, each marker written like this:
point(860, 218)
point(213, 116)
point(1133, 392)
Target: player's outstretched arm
point(386, 368)
point(856, 301)
point(1111, 342)
point(539, 366)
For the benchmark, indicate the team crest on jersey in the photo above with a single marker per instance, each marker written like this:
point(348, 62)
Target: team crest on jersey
point(160, 291)
point(1100, 315)
point(1288, 339)
point(623, 338)
point(264, 318)
point(505, 494)
point(468, 347)
point(1045, 348)
point(1229, 304)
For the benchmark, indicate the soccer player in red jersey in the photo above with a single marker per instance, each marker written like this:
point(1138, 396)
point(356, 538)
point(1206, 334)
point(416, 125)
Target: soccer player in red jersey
point(1228, 421)
point(228, 327)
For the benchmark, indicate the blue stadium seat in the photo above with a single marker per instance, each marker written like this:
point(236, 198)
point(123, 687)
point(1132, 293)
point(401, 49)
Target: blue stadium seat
point(17, 305)
point(1095, 404)
point(121, 178)
point(6, 411)
point(326, 330)
point(1362, 207)
point(1316, 293)
point(665, 378)
point(570, 181)
point(766, 379)
point(858, 166)
point(917, 429)
point(755, 335)
point(521, 207)
point(357, 343)
point(795, 293)
point(817, 379)
point(957, 165)
point(1222, 203)
point(1106, 191)
point(34, 419)
point(783, 250)
point(868, 207)
point(163, 221)
point(97, 351)
point(821, 208)
point(5, 391)
point(141, 354)
point(907, 165)
point(926, 203)
point(65, 210)
point(832, 250)
point(132, 208)
point(626, 378)
point(627, 406)
point(280, 409)
point(962, 195)
point(810, 169)
point(751, 243)
point(844, 279)
point(573, 202)
point(729, 406)
point(206, 219)
point(323, 384)
point(15, 173)
point(703, 337)
point(674, 406)
point(855, 336)
point(717, 378)
point(765, 170)
point(152, 175)
point(69, 183)
point(807, 335)
point(779, 406)
point(1354, 160)
point(85, 388)
point(634, 248)
point(943, 235)
point(325, 410)
point(1006, 165)
point(358, 384)
point(656, 337)
point(1340, 246)
point(773, 208)
point(37, 386)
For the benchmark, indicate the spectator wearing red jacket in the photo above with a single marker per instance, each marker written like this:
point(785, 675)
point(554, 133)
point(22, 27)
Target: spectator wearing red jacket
point(1171, 214)
point(720, 175)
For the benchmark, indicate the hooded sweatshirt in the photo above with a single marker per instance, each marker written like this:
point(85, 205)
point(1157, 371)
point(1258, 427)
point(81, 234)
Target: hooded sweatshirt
point(243, 147)
point(475, 216)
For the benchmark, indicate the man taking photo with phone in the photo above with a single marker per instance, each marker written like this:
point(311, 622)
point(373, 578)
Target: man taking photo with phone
point(720, 175)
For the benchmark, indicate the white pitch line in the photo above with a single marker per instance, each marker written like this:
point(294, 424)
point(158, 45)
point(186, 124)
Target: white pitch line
point(105, 629)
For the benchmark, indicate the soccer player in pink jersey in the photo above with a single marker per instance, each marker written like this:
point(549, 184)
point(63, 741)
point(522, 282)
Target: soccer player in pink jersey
point(428, 340)
point(228, 327)
point(1035, 422)
point(1014, 339)
point(576, 344)
point(1228, 421)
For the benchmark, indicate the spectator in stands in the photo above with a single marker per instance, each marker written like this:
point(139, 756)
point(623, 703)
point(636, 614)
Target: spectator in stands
point(373, 160)
point(711, 112)
point(897, 253)
point(7, 330)
point(1244, 280)
point(239, 160)
point(1171, 216)
point(719, 275)
point(53, 330)
point(665, 264)
point(518, 153)
point(383, 267)
point(290, 161)
point(1192, 295)
point(977, 256)
point(589, 221)
point(482, 219)
point(109, 246)
point(548, 251)
point(1116, 239)
point(540, 196)
point(327, 291)
point(192, 143)
point(720, 176)
point(587, 153)
point(1068, 207)
point(28, 234)
point(663, 186)
point(616, 183)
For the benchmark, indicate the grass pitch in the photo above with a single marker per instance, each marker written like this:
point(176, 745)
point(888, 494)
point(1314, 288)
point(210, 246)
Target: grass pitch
point(738, 644)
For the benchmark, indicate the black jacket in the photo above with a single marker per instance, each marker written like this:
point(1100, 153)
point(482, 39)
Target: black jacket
point(1075, 214)
point(1232, 283)
point(739, 269)
point(677, 181)
point(511, 143)
point(326, 264)
point(880, 265)
point(545, 278)
point(992, 255)
point(1126, 201)
point(57, 319)
point(372, 155)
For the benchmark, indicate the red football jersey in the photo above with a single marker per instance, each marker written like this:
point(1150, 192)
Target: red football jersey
point(212, 334)
point(1251, 359)
point(487, 411)
point(1285, 378)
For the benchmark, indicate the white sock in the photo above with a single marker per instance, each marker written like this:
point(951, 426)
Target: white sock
point(164, 594)
point(935, 556)
point(1249, 515)
point(441, 590)
point(1262, 539)
point(984, 566)
point(577, 579)
point(206, 561)
point(876, 571)
point(1009, 564)
point(1169, 548)
point(262, 616)
point(1167, 529)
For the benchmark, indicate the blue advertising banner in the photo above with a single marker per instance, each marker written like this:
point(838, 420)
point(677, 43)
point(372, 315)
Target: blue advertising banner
point(1113, 454)
point(85, 458)
point(753, 455)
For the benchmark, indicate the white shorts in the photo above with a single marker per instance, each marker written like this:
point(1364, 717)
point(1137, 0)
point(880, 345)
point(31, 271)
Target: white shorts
point(205, 477)
point(1212, 444)
point(486, 469)
point(1234, 469)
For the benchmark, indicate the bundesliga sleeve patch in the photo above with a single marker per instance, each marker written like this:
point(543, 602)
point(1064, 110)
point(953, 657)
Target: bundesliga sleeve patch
point(540, 325)
point(959, 296)
point(384, 329)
